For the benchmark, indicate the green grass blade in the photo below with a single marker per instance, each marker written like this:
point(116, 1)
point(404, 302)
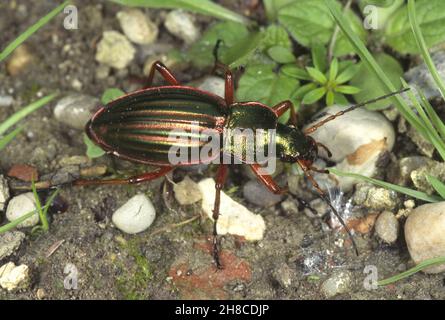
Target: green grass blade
point(409, 192)
point(199, 6)
point(8, 138)
point(435, 119)
point(423, 48)
point(13, 224)
point(29, 32)
point(19, 115)
point(372, 64)
point(407, 273)
point(438, 185)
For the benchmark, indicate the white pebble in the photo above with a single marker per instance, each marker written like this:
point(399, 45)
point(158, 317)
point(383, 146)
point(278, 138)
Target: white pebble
point(75, 110)
point(14, 277)
point(234, 218)
point(135, 216)
point(182, 25)
point(21, 205)
point(137, 26)
point(425, 234)
point(115, 50)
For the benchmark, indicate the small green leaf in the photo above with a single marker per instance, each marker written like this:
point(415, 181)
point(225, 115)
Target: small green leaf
point(293, 71)
point(438, 185)
point(111, 94)
point(276, 35)
point(347, 74)
point(340, 99)
point(347, 89)
point(316, 75)
point(272, 7)
point(303, 90)
point(261, 83)
point(333, 70)
point(330, 98)
point(93, 151)
point(281, 54)
point(314, 95)
point(243, 51)
point(319, 56)
point(8, 138)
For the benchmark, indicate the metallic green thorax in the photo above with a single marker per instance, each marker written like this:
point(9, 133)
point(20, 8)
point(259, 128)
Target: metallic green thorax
point(144, 126)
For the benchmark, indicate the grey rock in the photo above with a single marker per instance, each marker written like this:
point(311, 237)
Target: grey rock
point(75, 110)
point(256, 193)
point(426, 147)
point(387, 227)
point(115, 50)
point(187, 192)
point(4, 192)
point(64, 175)
point(319, 205)
point(137, 26)
point(425, 234)
point(6, 101)
point(10, 242)
point(402, 174)
point(375, 198)
point(215, 85)
point(182, 25)
point(135, 216)
point(284, 275)
point(20, 205)
point(419, 77)
point(338, 283)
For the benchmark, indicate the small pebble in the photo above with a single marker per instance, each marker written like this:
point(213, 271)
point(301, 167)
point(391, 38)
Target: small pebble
point(20, 59)
point(338, 283)
point(234, 218)
point(14, 277)
point(21, 205)
point(256, 193)
point(182, 25)
point(375, 198)
point(356, 141)
point(135, 216)
point(102, 71)
point(425, 234)
point(115, 50)
point(74, 161)
point(387, 227)
point(187, 192)
point(10, 241)
point(23, 172)
point(284, 275)
point(419, 176)
point(4, 192)
point(6, 101)
point(137, 26)
point(319, 205)
point(212, 84)
point(75, 110)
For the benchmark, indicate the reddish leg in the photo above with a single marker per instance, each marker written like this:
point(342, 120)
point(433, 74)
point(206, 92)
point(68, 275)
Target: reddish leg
point(267, 180)
point(132, 180)
point(228, 92)
point(221, 176)
point(282, 107)
point(165, 73)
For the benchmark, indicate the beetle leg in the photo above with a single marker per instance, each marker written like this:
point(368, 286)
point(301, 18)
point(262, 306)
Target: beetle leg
point(282, 107)
point(132, 180)
point(267, 180)
point(229, 86)
point(220, 180)
point(165, 73)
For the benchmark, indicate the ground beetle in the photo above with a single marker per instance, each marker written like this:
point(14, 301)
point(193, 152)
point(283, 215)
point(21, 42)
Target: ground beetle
point(136, 127)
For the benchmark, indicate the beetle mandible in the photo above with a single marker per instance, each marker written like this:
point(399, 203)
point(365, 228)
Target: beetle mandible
point(136, 127)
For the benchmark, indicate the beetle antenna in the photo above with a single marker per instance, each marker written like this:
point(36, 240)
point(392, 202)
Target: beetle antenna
point(323, 196)
point(351, 108)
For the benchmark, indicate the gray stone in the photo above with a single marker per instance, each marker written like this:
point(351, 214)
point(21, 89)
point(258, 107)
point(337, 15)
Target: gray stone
point(375, 198)
point(182, 25)
point(10, 242)
point(187, 192)
point(419, 176)
point(135, 216)
point(21, 205)
point(137, 26)
point(4, 192)
point(402, 174)
point(338, 283)
point(14, 277)
point(215, 85)
point(6, 101)
point(387, 227)
point(115, 50)
point(256, 193)
point(419, 77)
point(426, 147)
point(75, 110)
point(284, 275)
point(425, 234)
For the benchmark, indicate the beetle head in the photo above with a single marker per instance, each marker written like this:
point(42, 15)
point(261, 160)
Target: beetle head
point(293, 146)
